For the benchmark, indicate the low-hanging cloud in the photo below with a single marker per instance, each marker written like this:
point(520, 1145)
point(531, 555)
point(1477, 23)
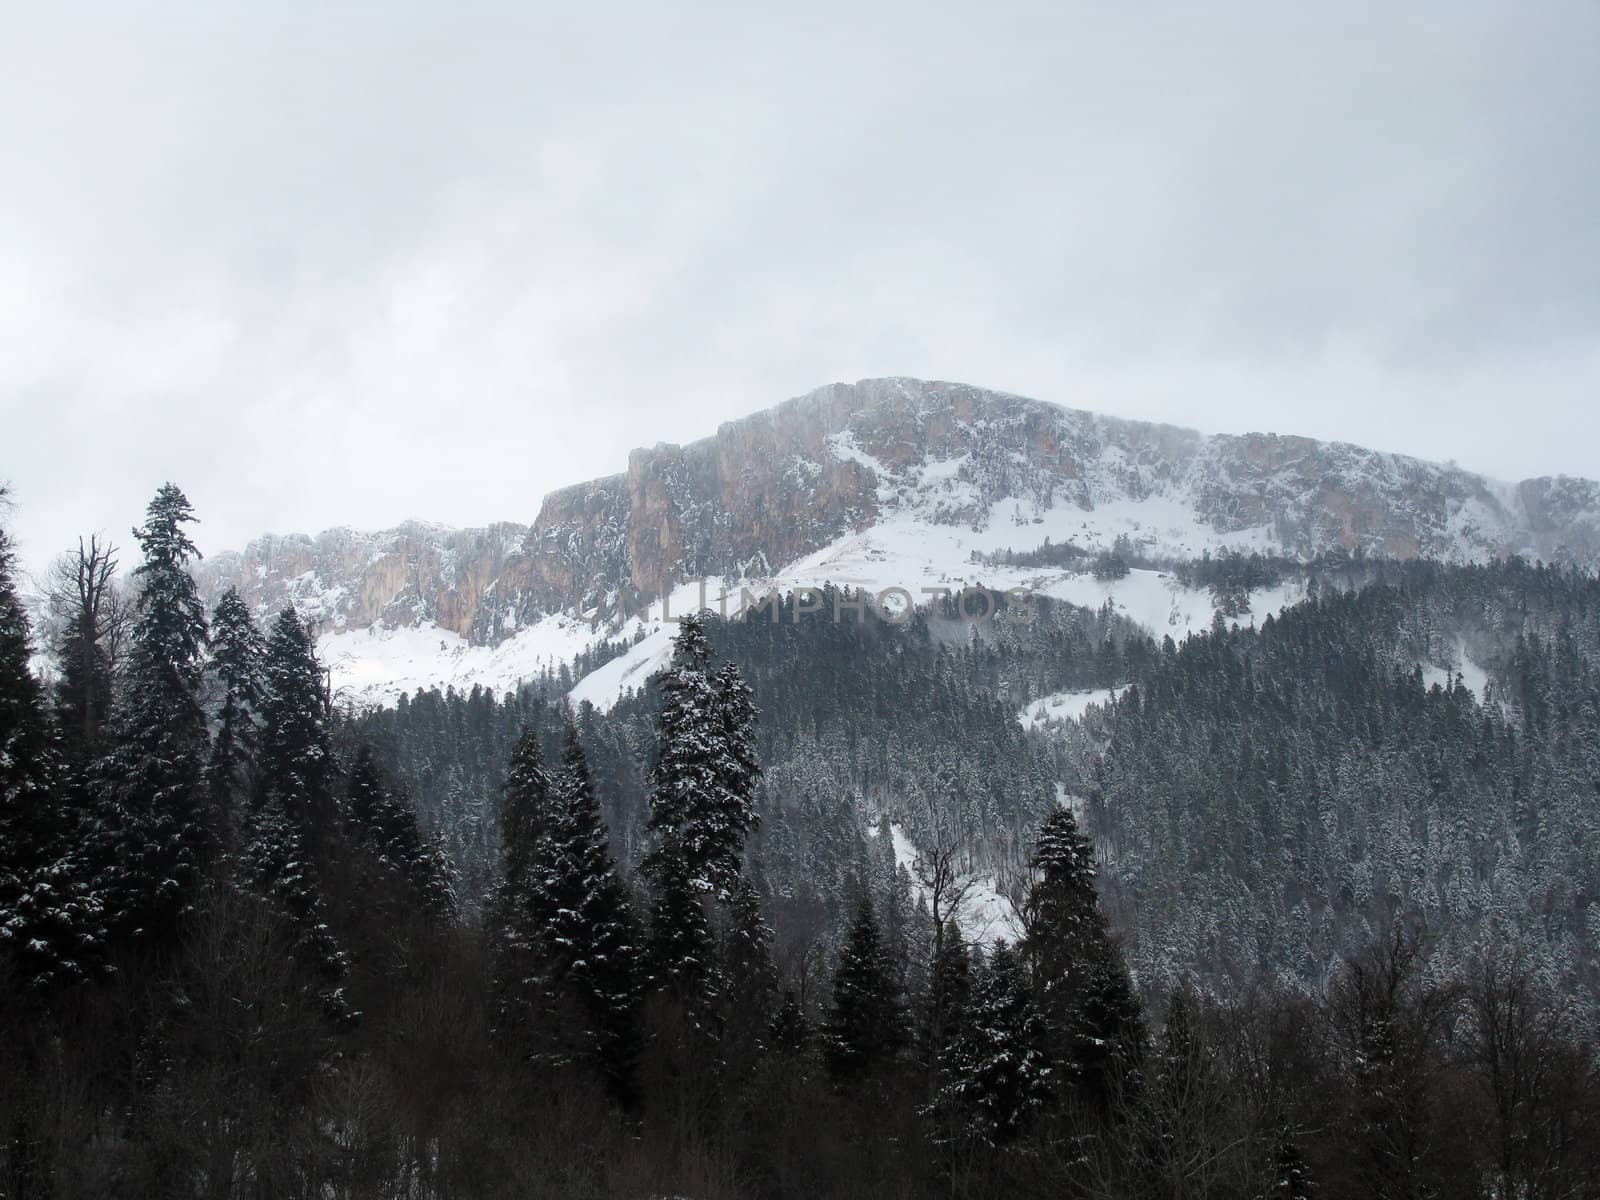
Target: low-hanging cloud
point(358, 263)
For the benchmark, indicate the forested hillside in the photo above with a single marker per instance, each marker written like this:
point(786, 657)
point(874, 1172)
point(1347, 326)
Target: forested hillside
point(1268, 799)
point(1325, 928)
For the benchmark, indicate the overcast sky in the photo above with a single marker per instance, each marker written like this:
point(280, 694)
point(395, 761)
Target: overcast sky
point(349, 264)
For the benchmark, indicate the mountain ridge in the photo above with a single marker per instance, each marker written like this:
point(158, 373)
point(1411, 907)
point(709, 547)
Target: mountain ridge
point(782, 485)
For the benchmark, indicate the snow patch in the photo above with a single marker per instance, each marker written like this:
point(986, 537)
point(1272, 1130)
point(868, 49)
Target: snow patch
point(1063, 706)
point(986, 916)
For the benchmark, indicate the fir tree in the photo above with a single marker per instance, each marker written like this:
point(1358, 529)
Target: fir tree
point(750, 980)
point(238, 664)
point(682, 951)
point(49, 921)
point(701, 798)
point(1292, 1177)
point(84, 596)
point(949, 993)
point(1094, 1020)
point(589, 936)
point(282, 869)
point(296, 746)
point(995, 1076)
point(384, 824)
point(524, 812)
point(158, 836)
point(291, 831)
point(514, 925)
point(866, 1028)
point(790, 1031)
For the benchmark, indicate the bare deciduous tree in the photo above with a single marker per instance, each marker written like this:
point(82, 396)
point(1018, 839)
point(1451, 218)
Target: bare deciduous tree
point(90, 618)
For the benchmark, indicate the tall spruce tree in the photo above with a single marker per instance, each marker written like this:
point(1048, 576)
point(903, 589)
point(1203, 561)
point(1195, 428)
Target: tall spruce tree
point(293, 826)
point(512, 918)
point(702, 786)
point(949, 993)
point(1081, 983)
point(866, 1027)
point(995, 1074)
point(157, 832)
point(590, 937)
point(296, 744)
point(49, 921)
point(749, 999)
point(238, 666)
point(406, 869)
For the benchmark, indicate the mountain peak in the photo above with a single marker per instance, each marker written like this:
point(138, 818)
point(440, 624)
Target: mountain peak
point(973, 469)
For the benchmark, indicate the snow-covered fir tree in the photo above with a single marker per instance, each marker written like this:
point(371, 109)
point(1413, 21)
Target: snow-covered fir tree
point(157, 833)
point(238, 669)
point(866, 1026)
point(702, 786)
point(513, 921)
point(994, 1074)
point(590, 942)
point(1080, 981)
point(49, 920)
point(383, 823)
point(291, 833)
point(297, 763)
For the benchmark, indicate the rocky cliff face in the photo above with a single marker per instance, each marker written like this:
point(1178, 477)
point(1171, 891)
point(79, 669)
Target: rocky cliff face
point(342, 579)
point(773, 487)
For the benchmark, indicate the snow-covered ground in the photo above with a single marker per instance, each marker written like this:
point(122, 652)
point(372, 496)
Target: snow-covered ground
point(907, 552)
point(1061, 706)
point(985, 917)
point(1473, 677)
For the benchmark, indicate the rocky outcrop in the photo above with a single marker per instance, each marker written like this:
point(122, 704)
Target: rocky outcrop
point(343, 579)
point(770, 488)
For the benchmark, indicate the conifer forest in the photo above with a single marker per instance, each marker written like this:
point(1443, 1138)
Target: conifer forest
point(1279, 919)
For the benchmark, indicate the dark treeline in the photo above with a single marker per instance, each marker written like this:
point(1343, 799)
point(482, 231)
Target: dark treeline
point(234, 962)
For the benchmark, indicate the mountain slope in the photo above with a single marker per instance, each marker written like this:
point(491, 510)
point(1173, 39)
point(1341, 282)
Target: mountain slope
point(883, 483)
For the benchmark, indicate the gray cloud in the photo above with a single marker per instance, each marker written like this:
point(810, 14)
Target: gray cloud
point(365, 262)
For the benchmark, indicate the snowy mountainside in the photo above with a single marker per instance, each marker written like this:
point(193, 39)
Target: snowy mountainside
point(889, 483)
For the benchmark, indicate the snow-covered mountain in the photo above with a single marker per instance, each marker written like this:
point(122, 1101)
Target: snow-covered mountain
point(888, 483)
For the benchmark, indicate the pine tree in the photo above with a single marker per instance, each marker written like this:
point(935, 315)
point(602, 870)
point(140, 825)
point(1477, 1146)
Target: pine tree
point(158, 837)
point(282, 869)
point(384, 824)
point(513, 918)
point(866, 1028)
point(1094, 1020)
point(750, 980)
point(702, 786)
point(296, 746)
point(995, 1075)
point(590, 938)
point(291, 832)
point(49, 921)
point(238, 664)
point(1292, 1177)
point(949, 993)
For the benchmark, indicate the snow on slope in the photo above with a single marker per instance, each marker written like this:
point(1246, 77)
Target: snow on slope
point(906, 552)
point(909, 548)
point(986, 916)
point(1063, 706)
point(378, 665)
point(1473, 677)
